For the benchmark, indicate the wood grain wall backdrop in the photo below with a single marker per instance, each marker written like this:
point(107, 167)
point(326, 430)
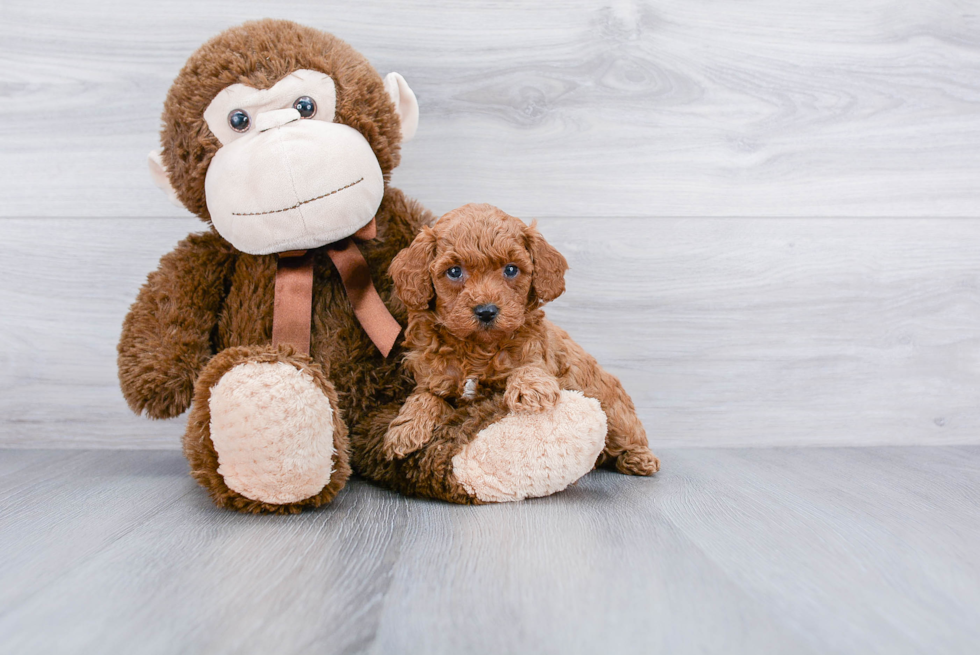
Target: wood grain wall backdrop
point(725, 331)
point(772, 209)
point(571, 108)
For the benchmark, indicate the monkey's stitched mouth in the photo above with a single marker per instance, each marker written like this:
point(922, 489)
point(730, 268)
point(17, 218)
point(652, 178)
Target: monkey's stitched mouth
point(299, 204)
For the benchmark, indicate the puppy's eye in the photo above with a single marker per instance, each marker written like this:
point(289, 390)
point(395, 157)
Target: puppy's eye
point(511, 271)
point(454, 273)
point(238, 120)
point(306, 106)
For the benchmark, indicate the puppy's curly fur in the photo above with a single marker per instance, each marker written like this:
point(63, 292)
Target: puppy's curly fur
point(474, 284)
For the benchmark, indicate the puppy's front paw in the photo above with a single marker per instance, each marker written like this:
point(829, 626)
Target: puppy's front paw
point(637, 462)
point(404, 437)
point(532, 393)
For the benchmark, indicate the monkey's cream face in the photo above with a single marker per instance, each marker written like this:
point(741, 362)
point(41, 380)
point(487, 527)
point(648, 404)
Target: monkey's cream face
point(286, 176)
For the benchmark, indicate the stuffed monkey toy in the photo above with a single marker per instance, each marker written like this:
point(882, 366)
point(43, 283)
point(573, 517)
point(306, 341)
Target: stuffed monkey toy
point(278, 326)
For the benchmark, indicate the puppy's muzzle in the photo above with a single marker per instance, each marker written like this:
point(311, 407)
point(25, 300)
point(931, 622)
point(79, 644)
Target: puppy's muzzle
point(486, 314)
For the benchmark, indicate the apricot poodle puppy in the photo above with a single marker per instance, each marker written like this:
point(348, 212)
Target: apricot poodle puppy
point(474, 284)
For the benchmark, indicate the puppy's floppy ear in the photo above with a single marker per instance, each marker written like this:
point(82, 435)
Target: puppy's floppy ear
point(549, 265)
point(410, 271)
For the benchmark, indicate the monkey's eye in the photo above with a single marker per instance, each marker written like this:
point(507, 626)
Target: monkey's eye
point(239, 120)
point(306, 106)
point(454, 273)
point(511, 271)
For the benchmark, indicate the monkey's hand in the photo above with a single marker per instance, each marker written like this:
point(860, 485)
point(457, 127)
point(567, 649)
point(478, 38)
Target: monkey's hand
point(413, 426)
point(166, 337)
point(531, 389)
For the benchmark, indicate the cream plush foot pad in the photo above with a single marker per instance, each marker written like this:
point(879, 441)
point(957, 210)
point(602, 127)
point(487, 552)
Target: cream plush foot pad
point(529, 455)
point(272, 428)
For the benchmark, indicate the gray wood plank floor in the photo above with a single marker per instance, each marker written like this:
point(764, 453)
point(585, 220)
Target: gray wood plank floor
point(819, 550)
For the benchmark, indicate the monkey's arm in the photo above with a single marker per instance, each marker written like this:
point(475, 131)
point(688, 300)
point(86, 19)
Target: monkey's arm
point(166, 337)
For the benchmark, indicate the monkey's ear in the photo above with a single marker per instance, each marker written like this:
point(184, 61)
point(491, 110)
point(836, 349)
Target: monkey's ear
point(158, 172)
point(549, 265)
point(406, 104)
point(410, 271)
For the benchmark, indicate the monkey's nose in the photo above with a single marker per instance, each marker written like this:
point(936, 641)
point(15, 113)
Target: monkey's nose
point(275, 118)
point(486, 313)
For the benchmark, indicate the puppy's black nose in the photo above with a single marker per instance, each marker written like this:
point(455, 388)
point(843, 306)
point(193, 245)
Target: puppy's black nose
point(486, 313)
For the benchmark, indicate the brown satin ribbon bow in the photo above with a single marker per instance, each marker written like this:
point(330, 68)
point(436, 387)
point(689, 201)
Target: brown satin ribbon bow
point(293, 308)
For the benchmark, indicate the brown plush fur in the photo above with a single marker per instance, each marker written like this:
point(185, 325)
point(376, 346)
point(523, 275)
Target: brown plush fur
point(259, 54)
point(427, 472)
point(519, 354)
point(207, 297)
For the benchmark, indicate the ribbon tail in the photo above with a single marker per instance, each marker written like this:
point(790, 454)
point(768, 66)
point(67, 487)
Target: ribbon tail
point(293, 305)
point(369, 308)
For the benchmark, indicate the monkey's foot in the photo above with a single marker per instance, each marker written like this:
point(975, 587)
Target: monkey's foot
point(273, 430)
point(272, 424)
point(528, 455)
